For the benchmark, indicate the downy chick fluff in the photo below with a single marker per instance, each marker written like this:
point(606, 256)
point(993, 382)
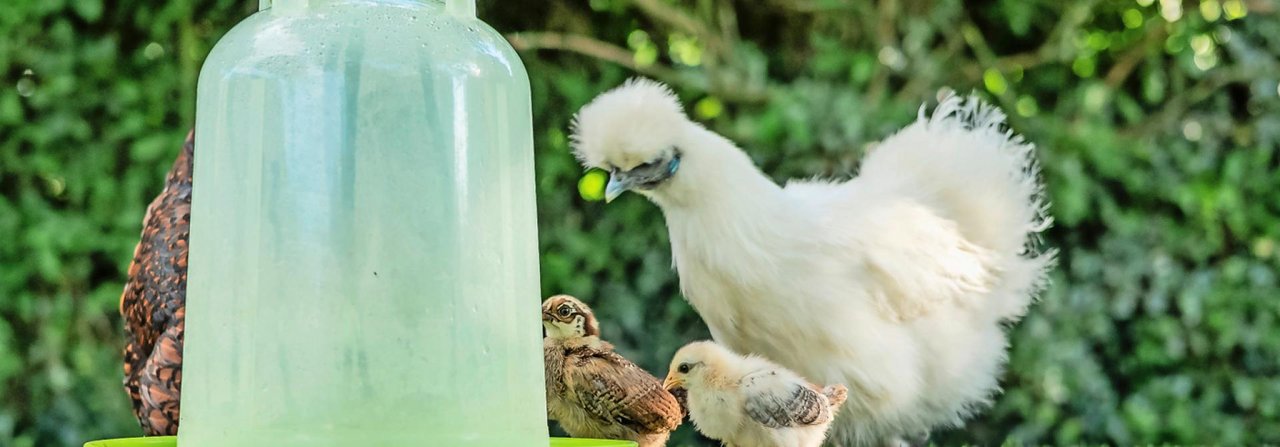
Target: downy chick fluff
point(896, 282)
point(748, 401)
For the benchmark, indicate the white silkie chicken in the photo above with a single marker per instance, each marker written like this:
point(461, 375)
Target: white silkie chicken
point(896, 282)
point(747, 401)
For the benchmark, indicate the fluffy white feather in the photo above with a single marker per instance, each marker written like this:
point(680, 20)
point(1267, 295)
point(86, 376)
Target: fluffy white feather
point(895, 282)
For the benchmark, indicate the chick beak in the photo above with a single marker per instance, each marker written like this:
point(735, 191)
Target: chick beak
point(672, 383)
point(616, 186)
point(546, 325)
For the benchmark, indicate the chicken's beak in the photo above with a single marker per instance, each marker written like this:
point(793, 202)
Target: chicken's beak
point(617, 185)
point(672, 383)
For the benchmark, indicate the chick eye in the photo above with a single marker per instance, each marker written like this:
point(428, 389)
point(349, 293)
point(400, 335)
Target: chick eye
point(564, 311)
point(684, 368)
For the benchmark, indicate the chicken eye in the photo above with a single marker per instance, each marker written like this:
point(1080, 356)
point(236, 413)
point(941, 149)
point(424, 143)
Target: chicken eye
point(647, 166)
point(564, 311)
point(684, 368)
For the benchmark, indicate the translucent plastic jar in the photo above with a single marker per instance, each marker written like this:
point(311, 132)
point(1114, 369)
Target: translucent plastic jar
point(363, 254)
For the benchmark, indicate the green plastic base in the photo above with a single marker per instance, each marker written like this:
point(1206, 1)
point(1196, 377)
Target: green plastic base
point(170, 441)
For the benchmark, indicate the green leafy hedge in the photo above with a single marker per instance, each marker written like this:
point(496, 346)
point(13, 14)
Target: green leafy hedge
point(1158, 123)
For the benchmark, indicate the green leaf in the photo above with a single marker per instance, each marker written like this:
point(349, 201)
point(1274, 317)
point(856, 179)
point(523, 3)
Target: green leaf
point(90, 10)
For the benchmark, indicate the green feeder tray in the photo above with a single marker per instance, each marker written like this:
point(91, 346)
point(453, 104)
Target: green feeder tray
point(171, 441)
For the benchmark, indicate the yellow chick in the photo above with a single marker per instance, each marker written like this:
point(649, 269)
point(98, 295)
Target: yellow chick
point(747, 401)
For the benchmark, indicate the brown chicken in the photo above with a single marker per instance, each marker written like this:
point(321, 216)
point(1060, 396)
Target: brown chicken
point(596, 393)
point(154, 303)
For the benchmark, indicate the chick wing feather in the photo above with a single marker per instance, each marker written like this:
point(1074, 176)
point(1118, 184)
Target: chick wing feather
point(615, 390)
point(775, 402)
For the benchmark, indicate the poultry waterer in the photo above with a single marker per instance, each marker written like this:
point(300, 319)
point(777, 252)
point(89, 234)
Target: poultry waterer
point(363, 253)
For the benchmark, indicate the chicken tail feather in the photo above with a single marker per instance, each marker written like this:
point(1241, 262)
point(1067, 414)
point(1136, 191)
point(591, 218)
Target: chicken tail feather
point(964, 162)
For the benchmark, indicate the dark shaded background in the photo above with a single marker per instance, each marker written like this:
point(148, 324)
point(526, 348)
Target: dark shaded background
point(1158, 122)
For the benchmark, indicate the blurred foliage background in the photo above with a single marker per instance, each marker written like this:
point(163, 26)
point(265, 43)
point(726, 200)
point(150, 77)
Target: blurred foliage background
point(1158, 123)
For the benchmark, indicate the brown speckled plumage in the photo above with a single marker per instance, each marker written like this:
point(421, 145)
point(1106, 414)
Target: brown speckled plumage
point(595, 393)
point(154, 303)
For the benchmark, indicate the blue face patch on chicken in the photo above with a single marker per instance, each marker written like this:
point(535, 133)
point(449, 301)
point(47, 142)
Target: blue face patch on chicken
point(647, 176)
